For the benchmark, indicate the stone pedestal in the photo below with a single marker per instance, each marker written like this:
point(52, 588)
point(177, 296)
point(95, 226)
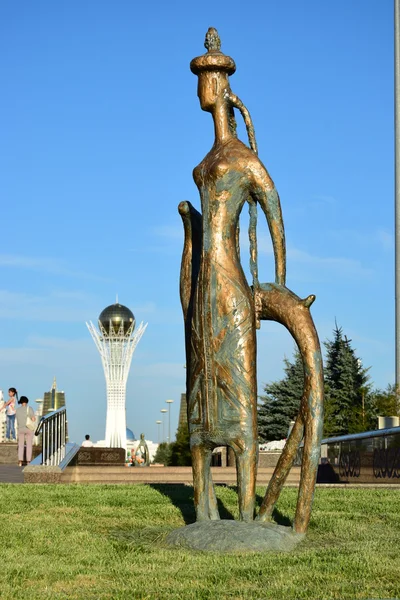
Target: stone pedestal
point(99, 457)
point(235, 536)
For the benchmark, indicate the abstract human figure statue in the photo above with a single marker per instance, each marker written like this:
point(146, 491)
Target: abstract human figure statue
point(142, 454)
point(222, 311)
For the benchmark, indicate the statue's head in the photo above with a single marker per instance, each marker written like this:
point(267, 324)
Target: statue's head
point(213, 70)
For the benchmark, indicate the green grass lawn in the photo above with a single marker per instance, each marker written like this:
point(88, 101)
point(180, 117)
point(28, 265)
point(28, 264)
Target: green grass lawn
point(106, 541)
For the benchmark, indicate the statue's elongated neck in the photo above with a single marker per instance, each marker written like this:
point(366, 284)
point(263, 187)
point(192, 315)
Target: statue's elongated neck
point(221, 122)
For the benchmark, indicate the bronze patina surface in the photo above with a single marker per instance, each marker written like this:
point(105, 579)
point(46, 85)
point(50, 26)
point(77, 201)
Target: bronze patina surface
point(222, 311)
point(142, 454)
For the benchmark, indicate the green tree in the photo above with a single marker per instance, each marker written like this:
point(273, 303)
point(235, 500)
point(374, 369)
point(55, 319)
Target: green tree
point(384, 403)
point(347, 388)
point(180, 449)
point(163, 454)
point(281, 401)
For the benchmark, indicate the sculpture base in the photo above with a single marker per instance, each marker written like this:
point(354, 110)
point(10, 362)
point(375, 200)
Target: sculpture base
point(97, 456)
point(235, 536)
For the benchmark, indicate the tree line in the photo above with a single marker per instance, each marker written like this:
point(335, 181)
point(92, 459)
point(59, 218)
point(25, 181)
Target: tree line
point(352, 405)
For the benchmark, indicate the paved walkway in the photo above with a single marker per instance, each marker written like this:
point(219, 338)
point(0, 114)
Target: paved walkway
point(11, 474)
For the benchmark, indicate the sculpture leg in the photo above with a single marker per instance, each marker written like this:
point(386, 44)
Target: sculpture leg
point(205, 501)
point(281, 471)
point(212, 499)
point(280, 304)
point(246, 468)
point(309, 469)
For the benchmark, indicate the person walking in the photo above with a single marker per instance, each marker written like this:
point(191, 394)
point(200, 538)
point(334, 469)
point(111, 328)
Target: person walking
point(25, 434)
point(9, 407)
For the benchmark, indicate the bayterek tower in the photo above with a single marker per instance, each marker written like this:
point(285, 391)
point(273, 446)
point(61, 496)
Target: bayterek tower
point(116, 341)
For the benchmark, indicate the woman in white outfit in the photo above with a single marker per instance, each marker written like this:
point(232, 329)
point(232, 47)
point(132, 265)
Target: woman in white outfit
point(24, 434)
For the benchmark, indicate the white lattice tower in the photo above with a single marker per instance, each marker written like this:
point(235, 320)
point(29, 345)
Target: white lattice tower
point(116, 350)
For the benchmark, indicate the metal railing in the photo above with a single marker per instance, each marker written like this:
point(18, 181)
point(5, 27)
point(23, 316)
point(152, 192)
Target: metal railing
point(350, 437)
point(53, 428)
point(337, 443)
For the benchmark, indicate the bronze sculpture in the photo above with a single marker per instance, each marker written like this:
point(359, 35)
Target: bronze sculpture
point(222, 311)
point(142, 455)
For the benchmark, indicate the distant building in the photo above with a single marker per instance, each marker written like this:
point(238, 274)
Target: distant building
point(183, 411)
point(38, 415)
point(39, 408)
point(52, 400)
point(116, 341)
point(131, 440)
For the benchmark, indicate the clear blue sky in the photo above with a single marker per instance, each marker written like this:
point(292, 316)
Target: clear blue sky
point(101, 128)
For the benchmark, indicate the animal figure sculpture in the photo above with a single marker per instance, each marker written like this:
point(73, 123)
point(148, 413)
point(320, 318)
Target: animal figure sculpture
point(222, 311)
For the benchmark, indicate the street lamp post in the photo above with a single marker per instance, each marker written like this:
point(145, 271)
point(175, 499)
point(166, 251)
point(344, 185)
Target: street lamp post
point(158, 431)
point(397, 184)
point(163, 411)
point(169, 402)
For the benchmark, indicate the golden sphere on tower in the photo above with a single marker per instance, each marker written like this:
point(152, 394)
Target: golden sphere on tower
point(115, 315)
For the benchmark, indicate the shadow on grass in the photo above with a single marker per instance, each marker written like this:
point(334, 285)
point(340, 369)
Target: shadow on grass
point(181, 496)
point(277, 516)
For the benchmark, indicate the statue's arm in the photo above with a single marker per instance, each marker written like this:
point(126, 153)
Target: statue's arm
point(266, 194)
point(192, 224)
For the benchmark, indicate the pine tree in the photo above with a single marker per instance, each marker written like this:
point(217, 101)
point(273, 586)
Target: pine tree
point(383, 403)
point(281, 402)
point(180, 449)
point(347, 391)
point(163, 454)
